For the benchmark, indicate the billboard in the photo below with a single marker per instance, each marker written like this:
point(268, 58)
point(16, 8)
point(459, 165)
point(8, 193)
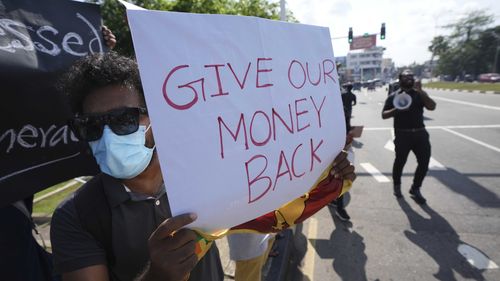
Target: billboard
point(363, 42)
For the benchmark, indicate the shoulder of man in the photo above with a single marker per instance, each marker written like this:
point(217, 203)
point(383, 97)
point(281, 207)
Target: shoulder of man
point(94, 211)
point(75, 244)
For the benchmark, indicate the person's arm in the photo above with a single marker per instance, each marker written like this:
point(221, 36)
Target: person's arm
point(386, 114)
point(92, 273)
point(389, 110)
point(354, 99)
point(429, 103)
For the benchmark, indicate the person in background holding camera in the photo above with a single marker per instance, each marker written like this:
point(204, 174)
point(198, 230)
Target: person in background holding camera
point(406, 106)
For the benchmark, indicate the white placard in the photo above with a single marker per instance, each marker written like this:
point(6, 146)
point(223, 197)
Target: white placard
point(246, 112)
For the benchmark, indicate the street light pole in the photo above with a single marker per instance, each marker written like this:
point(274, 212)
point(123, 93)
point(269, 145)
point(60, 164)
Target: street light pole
point(282, 10)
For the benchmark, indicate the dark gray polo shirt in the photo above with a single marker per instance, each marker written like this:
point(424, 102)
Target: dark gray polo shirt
point(134, 217)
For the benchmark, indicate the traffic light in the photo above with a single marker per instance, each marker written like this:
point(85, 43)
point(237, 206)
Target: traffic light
point(350, 35)
point(382, 32)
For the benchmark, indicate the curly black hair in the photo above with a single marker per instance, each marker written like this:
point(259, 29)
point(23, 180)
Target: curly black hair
point(97, 71)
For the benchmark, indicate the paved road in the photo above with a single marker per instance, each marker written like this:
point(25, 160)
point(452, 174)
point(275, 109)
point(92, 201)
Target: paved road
point(391, 239)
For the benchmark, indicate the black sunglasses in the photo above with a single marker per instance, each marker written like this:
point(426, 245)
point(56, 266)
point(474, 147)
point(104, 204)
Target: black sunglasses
point(122, 121)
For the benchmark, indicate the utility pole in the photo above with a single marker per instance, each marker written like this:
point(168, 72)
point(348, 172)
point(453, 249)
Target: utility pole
point(282, 10)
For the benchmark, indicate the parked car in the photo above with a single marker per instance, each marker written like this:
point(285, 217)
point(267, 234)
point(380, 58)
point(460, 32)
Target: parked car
point(489, 77)
point(468, 78)
point(447, 77)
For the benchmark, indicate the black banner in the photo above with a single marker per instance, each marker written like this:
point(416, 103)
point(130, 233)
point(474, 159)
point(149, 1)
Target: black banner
point(40, 39)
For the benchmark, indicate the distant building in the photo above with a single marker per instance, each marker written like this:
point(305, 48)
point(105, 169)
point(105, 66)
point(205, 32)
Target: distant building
point(342, 68)
point(366, 64)
point(388, 70)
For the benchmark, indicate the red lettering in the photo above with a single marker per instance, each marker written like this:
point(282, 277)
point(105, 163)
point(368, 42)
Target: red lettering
point(287, 171)
point(309, 75)
point(219, 82)
point(268, 133)
point(234, 135)
point(257, 84)
point(290, 74)
point(297, 114)
point(318, 111)
point(313, 153)
point(275, 114)
point(241, 84)
point(257, 178)
point(293, 163)
point(188, 85)
point(325, 73)
point(166, 95)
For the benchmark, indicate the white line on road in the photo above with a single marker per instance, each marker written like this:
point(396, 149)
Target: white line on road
point(492, 126)
point(309, 260)
point(473, 140)
point(435, 165)
point(375, 172)
point(389, 145)
point(81, 180)
point(467, 127)
point(468, 103)
point(66, 186)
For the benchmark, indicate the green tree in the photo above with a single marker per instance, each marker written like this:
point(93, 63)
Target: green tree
point(114, 15)
point(489, 43)
point(470, 26)
point(470, 48)
point(439, 45)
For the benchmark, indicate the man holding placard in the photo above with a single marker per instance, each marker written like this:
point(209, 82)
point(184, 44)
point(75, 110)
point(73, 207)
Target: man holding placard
point(118, 225)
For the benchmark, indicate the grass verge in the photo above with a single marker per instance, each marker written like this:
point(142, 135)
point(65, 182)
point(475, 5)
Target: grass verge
point(49, 204)
point(465, 86)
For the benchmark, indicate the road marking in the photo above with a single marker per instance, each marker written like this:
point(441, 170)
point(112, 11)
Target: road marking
point(389, 145)
point(476, 258)
point(467, 127)
point(473, 140)
point(309, 260)
point(80, 179)
point(66, 186)
point(440, 127)
point(468, 103)
point(375, 172)
point(435, 165)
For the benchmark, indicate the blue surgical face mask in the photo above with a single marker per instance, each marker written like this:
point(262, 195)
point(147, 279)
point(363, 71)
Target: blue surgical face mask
point(122, 157)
